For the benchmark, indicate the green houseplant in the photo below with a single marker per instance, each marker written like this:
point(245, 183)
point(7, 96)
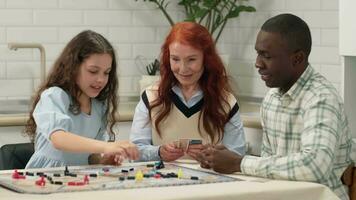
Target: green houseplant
point(152, 68)
point(213, 14)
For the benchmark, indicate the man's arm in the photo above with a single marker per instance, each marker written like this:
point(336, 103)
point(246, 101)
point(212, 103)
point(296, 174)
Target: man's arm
point(318, 144)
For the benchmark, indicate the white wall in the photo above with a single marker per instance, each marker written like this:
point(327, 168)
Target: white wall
point(137, 28)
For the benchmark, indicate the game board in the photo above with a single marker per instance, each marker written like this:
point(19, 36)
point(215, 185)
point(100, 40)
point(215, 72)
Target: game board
point(90, 178)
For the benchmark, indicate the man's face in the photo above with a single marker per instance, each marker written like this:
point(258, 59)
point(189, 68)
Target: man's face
point(274, 60)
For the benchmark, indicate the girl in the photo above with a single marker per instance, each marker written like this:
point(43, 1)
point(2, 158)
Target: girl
point(74, 106)
point(192, 100)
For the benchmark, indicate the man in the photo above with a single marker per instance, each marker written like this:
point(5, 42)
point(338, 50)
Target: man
point(305, 130)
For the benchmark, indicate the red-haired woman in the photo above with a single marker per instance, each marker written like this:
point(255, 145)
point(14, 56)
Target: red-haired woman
point(192, 100)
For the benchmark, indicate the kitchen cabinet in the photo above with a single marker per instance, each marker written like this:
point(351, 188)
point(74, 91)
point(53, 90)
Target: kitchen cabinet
point(347, 32)
point(12, 135)
point(347, 27)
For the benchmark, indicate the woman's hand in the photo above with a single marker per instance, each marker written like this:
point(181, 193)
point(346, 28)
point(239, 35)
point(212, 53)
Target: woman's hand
point(194, 150)
point(169, 152)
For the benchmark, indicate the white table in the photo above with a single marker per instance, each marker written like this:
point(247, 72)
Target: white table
point(251, 188)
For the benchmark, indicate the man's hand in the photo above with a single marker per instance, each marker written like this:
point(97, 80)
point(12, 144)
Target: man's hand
point(169, 152)
point(220, 159)
point(347, 175)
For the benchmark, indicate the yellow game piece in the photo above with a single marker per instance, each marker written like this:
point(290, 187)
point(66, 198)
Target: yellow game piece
point(180, 173)
point(139, 176)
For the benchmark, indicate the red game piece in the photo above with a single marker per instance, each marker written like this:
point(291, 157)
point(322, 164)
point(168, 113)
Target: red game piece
point(157, 176)
point(86, 179)
point(16, 175)
point(71, 183)
point(79, 183)
point(41, 181)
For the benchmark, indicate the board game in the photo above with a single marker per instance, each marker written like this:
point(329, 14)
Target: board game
point(90, 178)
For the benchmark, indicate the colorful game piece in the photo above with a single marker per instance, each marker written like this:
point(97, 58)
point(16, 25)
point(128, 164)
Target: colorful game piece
point(79, 183)
point(157, 176)
point(40, 174)
point(71, 183)
point(131, 169)
point(29, 174)
point(159, 165)
point(58, 182)
point(16, 175)
point(86, 179)
point(66, 171)
point(41, 182)
point(172, 175)
point(93, 175)
point(106, 169)
point(180, 173)
point(57, 175)
point(194, 178)
point(130, 178)
point(150, 165)
point(125, 171)
point(121, 178)
point(139, 176)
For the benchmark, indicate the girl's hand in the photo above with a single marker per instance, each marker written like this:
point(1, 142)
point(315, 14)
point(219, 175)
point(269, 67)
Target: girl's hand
point(131, 150)
point(125, 149)
point(111, 159)
point(169, 152)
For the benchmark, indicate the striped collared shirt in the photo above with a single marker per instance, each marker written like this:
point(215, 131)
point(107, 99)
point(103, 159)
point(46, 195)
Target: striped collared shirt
point(305, 135)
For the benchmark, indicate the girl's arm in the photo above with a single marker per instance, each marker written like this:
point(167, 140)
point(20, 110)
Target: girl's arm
point(67, 141)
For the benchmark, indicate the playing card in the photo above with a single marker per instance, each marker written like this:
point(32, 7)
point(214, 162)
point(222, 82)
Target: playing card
point(195, 141)
point(183, 144)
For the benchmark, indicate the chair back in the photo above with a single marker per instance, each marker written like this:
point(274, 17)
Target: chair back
point(15, 156)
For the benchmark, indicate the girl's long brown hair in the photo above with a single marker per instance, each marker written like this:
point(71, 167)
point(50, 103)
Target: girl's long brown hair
point(64, 73)
point(213, 82)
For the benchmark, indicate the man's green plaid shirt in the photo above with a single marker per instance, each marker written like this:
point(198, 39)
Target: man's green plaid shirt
point(305, 135)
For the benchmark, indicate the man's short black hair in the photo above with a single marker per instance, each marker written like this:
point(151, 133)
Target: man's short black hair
point(293, 29)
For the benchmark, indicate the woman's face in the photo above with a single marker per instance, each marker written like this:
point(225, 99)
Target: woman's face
point(94, 74)
point(186, 64)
